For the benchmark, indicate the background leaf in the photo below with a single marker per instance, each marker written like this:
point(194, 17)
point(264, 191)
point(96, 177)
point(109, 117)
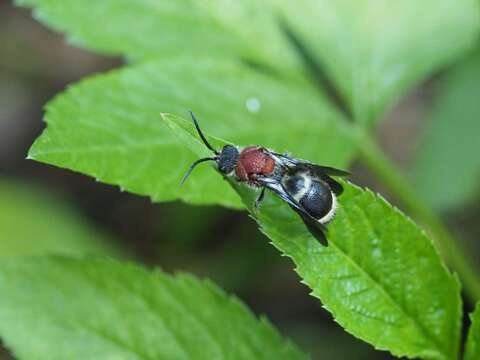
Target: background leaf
point(135, 314)
point(380, 276)
point(246, 29)
point(109, 126)
point(371, 49)
point(445, 173)
point(472, 349)
point(33, 222)
point(374, 50)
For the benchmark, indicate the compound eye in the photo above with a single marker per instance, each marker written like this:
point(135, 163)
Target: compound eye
point(228, 158)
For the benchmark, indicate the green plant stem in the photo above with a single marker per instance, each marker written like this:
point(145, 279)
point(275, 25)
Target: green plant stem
point(449, 249)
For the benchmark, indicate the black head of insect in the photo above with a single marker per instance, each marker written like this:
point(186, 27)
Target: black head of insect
point(226, 159)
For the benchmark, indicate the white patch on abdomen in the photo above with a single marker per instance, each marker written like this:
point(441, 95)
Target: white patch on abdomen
point(307, 183)
point(331, 214)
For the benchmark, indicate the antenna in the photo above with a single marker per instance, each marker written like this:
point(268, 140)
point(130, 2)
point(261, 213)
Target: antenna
point(190, 169)
point(195, 122)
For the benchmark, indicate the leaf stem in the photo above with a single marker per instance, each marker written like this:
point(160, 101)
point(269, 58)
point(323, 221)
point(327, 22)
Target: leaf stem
point(373, 156)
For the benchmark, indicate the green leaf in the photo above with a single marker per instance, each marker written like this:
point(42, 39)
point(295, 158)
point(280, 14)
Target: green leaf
point(446, 169)
point(144, 28)
point(472, 349)
point(375, 50)
point(33, 222)
point(380, 276)
point(60, 308)
point(372, 50)
point(109, 126)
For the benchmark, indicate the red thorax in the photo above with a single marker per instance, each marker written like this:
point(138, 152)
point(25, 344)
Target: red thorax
point(254, 160)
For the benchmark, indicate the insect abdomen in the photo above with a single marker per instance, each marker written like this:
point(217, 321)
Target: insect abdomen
point(313, 195)
point(317, 200)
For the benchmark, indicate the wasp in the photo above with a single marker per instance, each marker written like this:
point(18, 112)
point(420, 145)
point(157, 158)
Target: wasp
point(308, 188)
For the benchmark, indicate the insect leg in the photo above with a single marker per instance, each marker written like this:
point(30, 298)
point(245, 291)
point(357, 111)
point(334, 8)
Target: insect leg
point(259, 200)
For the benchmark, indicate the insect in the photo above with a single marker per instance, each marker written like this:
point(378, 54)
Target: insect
point(308, 188)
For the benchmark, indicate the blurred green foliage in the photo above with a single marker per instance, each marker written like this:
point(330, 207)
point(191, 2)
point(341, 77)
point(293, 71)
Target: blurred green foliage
point(374, 50)
point(137, 314)
point(34, 222)
point(447, 164)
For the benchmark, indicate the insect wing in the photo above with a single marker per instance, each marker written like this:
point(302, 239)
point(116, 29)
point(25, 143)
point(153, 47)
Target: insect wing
point(315, 228)
point(317, 169)
point(322, 170)
point(335, 186)
point(312, 224)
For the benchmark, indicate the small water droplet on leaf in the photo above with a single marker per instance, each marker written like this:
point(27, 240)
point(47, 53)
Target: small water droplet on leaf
point(253, 104)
